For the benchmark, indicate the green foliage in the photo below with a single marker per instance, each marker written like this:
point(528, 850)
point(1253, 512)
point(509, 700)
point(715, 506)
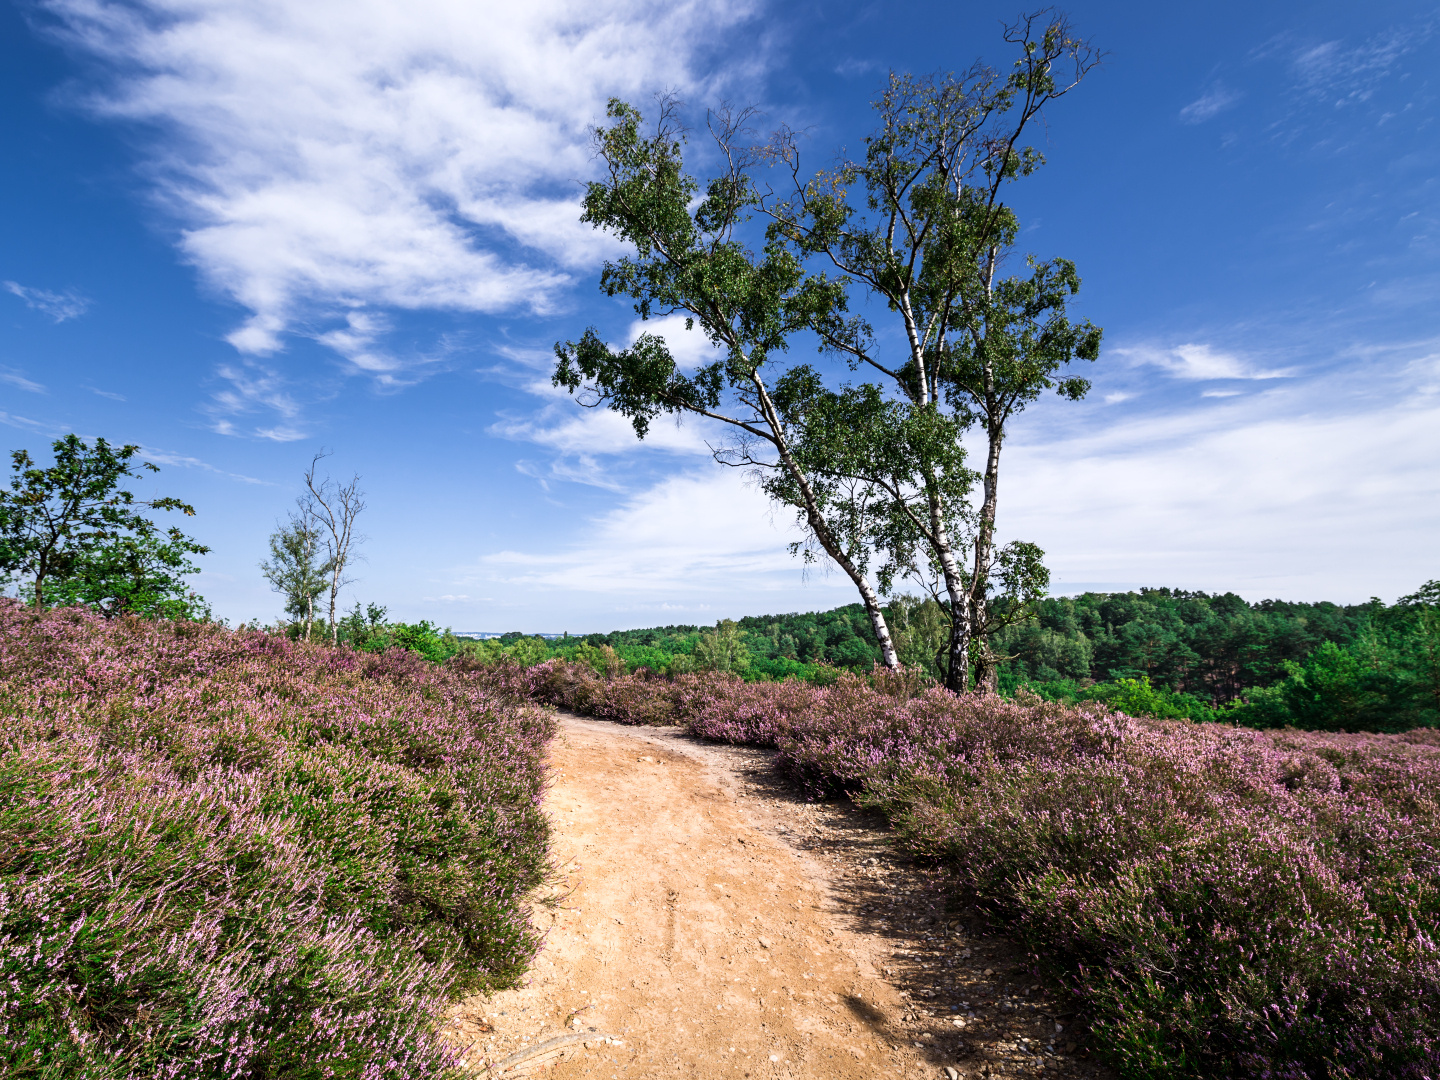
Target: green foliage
point(75, 537)
point(1171, 654)
point(1161, 653)
point(722, 649)
point(813, 647)
point(297, 568)
point(369, 632)
point(1371, 685)
point(1217, 647)
point(1134, 697)
point(142, 574)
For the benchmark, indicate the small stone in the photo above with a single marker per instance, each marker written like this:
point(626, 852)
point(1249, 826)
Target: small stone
point(1070, 1047)
point(764, 942)
point(951, 1073)
point(989, 971)
point(774, 1057)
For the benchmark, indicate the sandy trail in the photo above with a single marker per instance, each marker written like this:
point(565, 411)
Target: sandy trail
point(719, 925)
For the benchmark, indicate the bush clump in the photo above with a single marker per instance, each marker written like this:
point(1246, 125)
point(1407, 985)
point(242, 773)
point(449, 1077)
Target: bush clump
point(1219, 901)
point(229, 854)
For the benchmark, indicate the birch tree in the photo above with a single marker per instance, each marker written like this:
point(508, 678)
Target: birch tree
point(689, 258)
point(914, 231)
point(295, 568)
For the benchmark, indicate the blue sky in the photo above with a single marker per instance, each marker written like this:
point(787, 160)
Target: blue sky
point(242, 230)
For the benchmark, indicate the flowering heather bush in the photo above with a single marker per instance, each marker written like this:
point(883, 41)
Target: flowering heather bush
point(639, 698)
point(1221, 901)
point(227, 854)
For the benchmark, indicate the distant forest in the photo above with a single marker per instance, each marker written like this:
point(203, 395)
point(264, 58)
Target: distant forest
point(1162, 652)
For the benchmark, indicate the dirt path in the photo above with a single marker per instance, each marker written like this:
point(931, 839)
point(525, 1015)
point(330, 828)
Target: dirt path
point(719, 925)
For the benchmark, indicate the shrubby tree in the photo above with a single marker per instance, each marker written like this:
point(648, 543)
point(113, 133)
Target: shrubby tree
point(721, 649)
point(916, 228)
point(72, 535)
point(141, 573)
point(296, 568)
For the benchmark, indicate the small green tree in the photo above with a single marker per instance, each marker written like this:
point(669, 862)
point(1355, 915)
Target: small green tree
point(142, 573)
point(296, 568)
point(74, 536)
point(722, 649)
point(1421, 613)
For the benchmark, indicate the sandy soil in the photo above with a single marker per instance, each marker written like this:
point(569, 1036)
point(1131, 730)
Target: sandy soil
point(711, 922)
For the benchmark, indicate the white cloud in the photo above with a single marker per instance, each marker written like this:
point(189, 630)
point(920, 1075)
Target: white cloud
point(1209, 104)
point(330, 158)
point(704, 534)
point(252, 388)
point(185, 461)
point(1266, 495)
point(14, 378)
point(690, 348)
point(38, 427)
point(1200, 362)
point(58, 306)
point(1341, 74)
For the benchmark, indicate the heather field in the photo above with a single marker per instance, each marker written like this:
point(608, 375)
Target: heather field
point(1218, 901)
point(228, 854)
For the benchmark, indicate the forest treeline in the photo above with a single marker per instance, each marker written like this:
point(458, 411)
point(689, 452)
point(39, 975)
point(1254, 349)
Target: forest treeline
point(1161, 652)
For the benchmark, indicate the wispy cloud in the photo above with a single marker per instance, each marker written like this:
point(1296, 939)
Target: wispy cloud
point(331, 161)
point(36, 427)
point(586, 446)
point(254, 387)
point(185, 461)
point(1209, 104)
point(1342, 74)
point(14, 378)
point(107, 394)
point(1200, 362)
point(852, 67)
point(1257, 494)
point(58, 306)
point(701, 533)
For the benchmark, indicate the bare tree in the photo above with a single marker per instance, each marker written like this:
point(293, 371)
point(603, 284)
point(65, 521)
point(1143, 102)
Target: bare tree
point(334, 507)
